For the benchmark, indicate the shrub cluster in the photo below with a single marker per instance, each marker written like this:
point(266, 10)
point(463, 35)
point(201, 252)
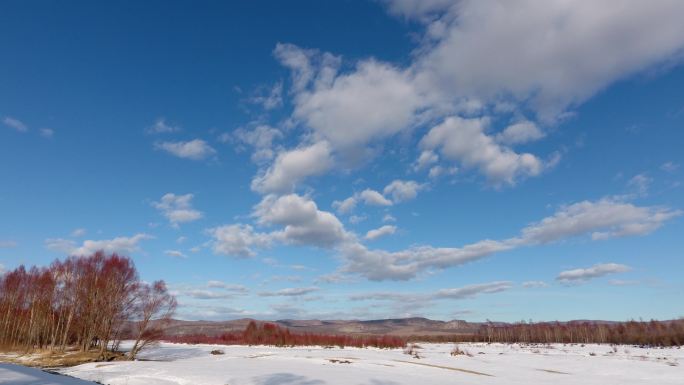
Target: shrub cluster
point(272, 334)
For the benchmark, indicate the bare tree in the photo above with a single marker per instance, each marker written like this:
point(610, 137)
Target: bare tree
point(154, 307)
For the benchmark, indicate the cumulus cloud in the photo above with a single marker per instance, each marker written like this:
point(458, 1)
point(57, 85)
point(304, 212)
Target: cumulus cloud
point(261, 138)
point(293, 166)
point(14, 123)
point(465, 141)
point(196, 149)
point(301, 220)
point(550, 55)
point(238, 240)
point(120, 245)
point(345, 206)
point(177, 208)
point(160, 126)
point(374, 198)
point(375, 101)
point(403, 190)
point(479, 59)
point(596, 271)
point(519, 133)
point(290, 292)
point(380, 232)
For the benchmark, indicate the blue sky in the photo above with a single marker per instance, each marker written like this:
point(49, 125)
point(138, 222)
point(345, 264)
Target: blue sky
point(499, 160)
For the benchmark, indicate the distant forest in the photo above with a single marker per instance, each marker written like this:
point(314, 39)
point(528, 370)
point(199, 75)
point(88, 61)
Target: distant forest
point(651, 333)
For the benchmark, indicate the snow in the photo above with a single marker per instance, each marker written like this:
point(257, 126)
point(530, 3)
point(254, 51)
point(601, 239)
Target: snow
point(11, 374)
point(179, 364)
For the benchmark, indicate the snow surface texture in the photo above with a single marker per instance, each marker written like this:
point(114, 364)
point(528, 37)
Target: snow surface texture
point(557, 364)
point(21, 375)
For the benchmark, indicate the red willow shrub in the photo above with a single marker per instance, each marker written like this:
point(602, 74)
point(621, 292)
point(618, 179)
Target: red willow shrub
point(86, 302)
point(272, 334)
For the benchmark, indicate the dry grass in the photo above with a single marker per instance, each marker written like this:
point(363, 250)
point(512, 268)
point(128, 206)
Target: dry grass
point(48, 359)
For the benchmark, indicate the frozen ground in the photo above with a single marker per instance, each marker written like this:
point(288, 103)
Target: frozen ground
point(180, 364)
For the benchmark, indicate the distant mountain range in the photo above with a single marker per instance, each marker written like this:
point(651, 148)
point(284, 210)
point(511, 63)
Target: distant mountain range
point(398, 327)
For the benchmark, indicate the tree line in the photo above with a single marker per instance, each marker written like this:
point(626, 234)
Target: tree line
point(88, 302)
point(272, 334)
point(649, 333)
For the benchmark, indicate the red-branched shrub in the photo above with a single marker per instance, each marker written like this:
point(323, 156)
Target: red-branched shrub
point(272, 334)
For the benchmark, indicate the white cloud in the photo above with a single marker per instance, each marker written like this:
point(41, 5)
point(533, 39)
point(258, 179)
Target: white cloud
point(354, 219)
point(496, 58)
point(669, 166)
point(14, 123)
point(459, 293)
point(47, 133)
point(206, 294)
point(375, 101)
point(2, 269)
point(465, 141)
point(272, 98)
point(640, 183)
point(301, 220)
point(177, 208)
point(403, 190)
point(600, 220)
point(380, 232)
point(260, 138)
point(77, 233)
point(596, 271)
point(196, 149)
point(293, 166)
point(160, 126)
point(238, 240)
point(418, 9)
point(437, 171)
point(425, 159)
point(389, 218)
point(345, 206)
point(290, 292)
point(228, 286)
point(534, 284)
point(548, 55)
point(471, 291)
point(120, 245)
point(175, 253)
point(374, 198)
point(519, 133)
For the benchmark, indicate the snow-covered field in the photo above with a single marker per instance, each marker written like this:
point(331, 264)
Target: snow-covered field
point(488, 364)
